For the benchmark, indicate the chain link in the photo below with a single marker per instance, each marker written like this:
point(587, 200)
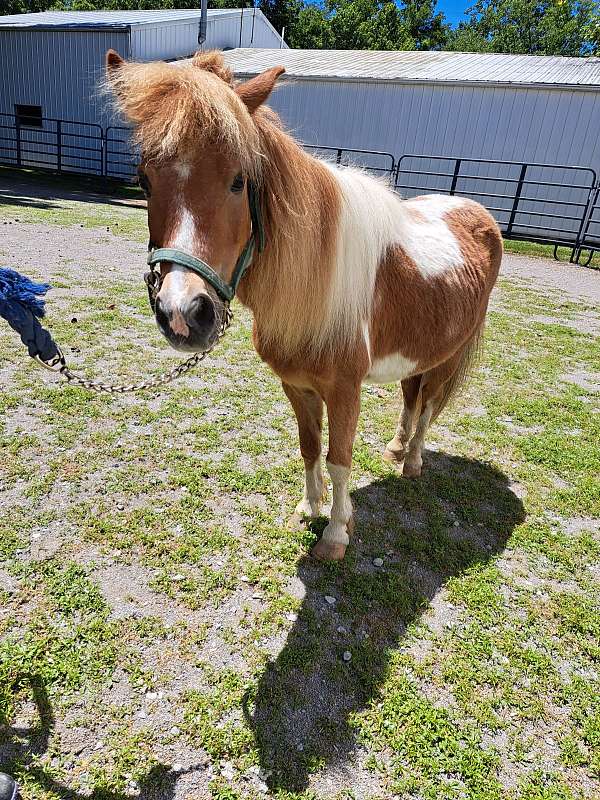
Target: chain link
point(59, 366)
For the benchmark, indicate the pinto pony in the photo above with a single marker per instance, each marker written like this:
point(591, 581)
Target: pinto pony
point(353, 285)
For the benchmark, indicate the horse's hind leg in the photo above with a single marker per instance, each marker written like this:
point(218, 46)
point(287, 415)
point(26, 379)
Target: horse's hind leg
point(308, 408)
point(395, 450)
point(432, 394)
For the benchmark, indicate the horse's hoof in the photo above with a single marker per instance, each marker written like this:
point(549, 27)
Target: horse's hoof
point(328, 551)
point(411, 470)
point(393, 456)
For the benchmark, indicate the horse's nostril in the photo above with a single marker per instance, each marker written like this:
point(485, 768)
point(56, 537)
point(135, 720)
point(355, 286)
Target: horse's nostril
point(203, 311)
point(161, 316)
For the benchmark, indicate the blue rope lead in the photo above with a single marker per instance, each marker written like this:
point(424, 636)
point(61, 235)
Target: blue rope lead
point(22, 306)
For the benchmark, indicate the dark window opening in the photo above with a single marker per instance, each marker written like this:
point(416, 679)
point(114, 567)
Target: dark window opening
point(31, 116)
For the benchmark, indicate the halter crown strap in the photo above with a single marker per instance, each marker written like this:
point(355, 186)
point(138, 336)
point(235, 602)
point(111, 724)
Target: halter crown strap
point(226, 291)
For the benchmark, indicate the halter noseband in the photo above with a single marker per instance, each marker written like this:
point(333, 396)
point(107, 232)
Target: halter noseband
point(226, 291)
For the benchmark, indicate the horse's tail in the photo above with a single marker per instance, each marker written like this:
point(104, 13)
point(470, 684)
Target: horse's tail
point(468, 360)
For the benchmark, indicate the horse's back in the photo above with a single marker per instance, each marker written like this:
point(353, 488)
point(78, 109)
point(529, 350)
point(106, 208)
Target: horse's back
point(467, 230)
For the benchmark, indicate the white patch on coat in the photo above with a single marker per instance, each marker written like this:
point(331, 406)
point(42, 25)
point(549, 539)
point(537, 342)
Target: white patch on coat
point(369, 222)
point(182, 239)
point(310, 505)
point(373, 218)
point(183, 169)
point(388, 369)
point(429, 241)
point(336, 531)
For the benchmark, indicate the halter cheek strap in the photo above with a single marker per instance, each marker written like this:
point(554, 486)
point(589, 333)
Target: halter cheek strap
point(226, 291)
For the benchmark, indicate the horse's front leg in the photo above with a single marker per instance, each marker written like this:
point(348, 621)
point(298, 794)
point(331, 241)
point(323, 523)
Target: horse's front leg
point(343, 406)
point(308, 408)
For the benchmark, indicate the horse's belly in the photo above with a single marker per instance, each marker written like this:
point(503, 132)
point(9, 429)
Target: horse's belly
point(389, 369)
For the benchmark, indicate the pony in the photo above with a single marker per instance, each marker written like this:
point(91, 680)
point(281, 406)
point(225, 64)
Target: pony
point(347, 282)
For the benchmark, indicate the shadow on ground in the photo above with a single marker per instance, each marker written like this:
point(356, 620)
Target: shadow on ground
point(460, 513)
point(46, 191)
point(25, 745)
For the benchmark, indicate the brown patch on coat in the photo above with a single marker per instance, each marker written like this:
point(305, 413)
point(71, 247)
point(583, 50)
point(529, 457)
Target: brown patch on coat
point(428, 319)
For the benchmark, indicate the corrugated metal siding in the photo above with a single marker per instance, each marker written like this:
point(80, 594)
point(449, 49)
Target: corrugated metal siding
point(58, 70)
point(550, 126)
point(155, 42)
point(423, 66)
point(60, 19)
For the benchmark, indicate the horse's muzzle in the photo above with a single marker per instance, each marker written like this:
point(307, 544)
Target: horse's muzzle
point(193, 326)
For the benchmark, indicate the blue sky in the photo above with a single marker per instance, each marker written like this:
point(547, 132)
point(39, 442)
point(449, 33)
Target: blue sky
point(453, 9)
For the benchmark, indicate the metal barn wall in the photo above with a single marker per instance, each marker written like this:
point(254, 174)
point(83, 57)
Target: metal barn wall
point(223, 31)
point(547, 125)
point(58, 70)
point(164, 40)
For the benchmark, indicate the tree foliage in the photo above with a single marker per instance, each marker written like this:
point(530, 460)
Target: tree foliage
point(534, 27)
point(537, 27)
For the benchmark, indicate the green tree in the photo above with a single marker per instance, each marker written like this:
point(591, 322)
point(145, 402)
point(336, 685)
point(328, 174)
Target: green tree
point(311, 30)
point(535, 27)
point(424, 26)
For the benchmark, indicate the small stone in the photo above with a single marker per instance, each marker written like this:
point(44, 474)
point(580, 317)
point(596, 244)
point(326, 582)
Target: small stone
point(120, 507)
point(151, 695)
point(178, 577)
point(300, 747)
point(177, 767)
point(142, 714)
point(456, 523)
point(291, 617)
point(378, 562)
point(174, 731)
point(257, 596)
point(99, 745)
point(329, 599)
point(244, 579)
point(347, 656)
point(227, 771)
point(262, 787)
point(341, 629)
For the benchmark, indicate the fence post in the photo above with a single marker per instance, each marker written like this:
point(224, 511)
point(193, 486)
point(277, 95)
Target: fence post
point(339, 156)
point(18, 140)
point(513, 211)
point(59, 145)
point(455, 176)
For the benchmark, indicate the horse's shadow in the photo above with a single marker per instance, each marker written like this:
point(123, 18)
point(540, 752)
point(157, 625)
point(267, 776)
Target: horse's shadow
point(460, 513)
point(24, 746)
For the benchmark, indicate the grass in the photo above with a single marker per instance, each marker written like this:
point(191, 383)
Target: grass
point(162, 630)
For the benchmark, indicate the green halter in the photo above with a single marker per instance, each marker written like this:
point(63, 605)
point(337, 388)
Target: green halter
point(226, 291)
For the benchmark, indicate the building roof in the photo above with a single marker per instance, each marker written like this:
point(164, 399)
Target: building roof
point(107, 19)
point(419, 66)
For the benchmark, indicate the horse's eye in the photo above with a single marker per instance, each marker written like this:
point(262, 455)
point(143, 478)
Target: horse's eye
point(238, 183)
point(144, 183)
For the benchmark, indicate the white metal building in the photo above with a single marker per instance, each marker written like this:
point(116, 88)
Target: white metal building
point(51, 62)
point(533, 109)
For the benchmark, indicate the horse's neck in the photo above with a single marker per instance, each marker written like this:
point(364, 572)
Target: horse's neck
point(287, 286)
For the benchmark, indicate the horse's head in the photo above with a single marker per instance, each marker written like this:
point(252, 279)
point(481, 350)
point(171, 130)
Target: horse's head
point(201, 164)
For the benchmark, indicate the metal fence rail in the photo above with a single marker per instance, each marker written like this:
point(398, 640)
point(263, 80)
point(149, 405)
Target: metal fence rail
point(546, 203)
point(535, 202)
point(59, 145)
point(375, 161)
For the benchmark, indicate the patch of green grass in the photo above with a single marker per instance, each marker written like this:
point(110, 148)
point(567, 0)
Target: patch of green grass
point(544, 251)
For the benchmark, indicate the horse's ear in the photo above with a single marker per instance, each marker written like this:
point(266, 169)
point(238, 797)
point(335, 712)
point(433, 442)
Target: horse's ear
point(256, 91)
point(212, 61)
point(113, 61)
